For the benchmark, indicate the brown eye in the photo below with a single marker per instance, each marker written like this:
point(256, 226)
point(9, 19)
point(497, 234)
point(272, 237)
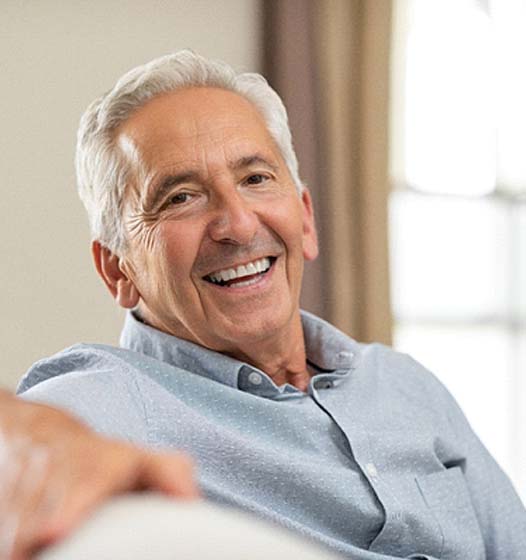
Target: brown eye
point(256, 179)
point(179, 198)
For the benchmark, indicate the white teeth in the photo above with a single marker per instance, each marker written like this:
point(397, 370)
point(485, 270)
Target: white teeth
point(241, 271)
point(246, 282)
point(249, 269)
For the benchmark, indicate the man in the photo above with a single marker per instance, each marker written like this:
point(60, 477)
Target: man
point(200, 228)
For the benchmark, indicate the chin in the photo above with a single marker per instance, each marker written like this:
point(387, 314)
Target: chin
point(257, 326)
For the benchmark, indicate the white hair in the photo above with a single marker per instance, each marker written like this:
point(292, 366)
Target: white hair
point(103, 171)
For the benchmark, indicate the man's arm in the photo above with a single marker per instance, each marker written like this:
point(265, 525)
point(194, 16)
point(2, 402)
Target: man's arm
point(500, 513)
point(54, 471)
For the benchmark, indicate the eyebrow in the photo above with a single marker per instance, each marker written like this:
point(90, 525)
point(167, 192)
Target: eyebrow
point(248, 161)
point(158, 189)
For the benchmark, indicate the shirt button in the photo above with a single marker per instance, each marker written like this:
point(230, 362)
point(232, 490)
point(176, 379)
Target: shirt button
point(254, 378)
point(323, 385)
point(371, 469)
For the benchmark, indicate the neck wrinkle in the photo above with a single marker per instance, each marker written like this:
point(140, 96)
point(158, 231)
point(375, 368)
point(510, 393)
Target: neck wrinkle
point(283, 360)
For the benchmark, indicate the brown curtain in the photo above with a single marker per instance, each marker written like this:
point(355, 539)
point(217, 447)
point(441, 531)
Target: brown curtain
point(329, 60)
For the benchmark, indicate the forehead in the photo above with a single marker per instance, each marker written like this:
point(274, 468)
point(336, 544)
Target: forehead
point(192, 124)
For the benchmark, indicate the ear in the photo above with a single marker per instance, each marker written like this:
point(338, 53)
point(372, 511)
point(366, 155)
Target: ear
point(111, 270)
point(310, 237)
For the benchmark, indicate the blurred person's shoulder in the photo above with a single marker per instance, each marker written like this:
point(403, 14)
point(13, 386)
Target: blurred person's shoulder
point(95, 382)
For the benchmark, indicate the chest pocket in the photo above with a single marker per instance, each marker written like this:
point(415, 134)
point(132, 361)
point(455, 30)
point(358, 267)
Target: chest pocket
point(446, 495)
point(429, 517)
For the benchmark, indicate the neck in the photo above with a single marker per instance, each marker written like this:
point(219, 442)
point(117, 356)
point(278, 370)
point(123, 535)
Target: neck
point(282, 358)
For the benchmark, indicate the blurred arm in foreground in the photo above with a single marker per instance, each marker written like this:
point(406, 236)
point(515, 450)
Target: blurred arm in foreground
point(54, 471)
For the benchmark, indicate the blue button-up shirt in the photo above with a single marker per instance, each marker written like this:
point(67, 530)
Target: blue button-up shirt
point(375, 460)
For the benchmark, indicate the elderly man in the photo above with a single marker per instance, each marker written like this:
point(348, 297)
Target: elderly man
point(200, 228)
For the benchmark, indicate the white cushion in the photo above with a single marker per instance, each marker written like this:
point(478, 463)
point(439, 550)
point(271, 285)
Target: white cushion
point(150, 526)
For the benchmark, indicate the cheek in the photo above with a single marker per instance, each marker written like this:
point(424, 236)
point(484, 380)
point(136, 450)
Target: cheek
point(286, 221)
point(177, 250)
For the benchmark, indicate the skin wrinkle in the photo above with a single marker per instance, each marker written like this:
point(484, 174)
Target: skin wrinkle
point(219, 139)
point(131, 151)
point(135, 176)
point(142, 228)
point(149, 215)
point(158, 188)
point(141, 175)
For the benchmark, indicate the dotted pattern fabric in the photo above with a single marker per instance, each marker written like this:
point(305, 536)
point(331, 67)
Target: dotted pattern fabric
point(375, 460)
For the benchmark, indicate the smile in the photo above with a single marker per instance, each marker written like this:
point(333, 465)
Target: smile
point(242, 275)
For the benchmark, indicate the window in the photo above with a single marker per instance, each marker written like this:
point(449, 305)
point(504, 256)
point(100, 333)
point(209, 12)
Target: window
point(458, 208)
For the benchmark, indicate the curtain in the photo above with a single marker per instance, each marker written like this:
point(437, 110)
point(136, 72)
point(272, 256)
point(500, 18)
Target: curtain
point(329, 60)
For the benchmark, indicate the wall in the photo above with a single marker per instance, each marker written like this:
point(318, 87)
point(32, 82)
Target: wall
point(56, 57)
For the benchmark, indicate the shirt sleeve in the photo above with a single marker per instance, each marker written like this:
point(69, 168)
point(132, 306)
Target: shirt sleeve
point(103, 393)
point(500, 511)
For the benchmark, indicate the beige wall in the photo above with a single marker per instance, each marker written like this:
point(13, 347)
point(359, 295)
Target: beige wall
point(56, 57)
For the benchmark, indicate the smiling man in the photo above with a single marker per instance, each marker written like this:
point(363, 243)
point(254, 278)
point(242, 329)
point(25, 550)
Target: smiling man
point(217, 233)
point(200, 228)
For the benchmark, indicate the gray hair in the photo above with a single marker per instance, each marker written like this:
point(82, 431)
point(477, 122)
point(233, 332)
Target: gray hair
point(102, 170)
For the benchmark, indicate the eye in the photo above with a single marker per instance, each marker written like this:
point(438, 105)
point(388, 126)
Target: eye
point(256, 179)
point(179, 198)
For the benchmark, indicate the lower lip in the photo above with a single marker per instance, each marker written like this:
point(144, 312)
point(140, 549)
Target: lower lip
point(257, 283)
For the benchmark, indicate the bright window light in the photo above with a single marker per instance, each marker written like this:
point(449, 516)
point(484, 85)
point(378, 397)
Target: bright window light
point(450, 130)
point(448, 258)
point(509, 20)
point(458, 212)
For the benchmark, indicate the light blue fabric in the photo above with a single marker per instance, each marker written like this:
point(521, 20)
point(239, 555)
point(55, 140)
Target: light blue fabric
point(376, 460)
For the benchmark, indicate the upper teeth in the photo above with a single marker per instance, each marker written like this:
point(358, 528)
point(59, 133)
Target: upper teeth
point(254, 267)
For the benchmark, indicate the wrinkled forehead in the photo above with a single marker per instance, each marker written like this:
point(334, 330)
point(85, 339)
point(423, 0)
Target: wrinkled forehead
point(189, 115)
point(192, 127)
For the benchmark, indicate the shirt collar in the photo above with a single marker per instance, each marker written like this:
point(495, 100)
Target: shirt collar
point(329, 351)
point(328, 348)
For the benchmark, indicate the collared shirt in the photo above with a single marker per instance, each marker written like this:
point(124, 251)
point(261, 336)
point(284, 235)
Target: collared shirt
point(375, 459)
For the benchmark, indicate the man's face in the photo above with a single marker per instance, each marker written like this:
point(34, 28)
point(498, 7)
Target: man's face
point(218, 233)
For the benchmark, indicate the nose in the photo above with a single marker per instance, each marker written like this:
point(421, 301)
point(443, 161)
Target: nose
point(233, 220)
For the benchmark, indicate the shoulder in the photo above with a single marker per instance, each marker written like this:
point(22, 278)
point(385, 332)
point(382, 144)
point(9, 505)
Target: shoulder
point(398, 367)
point(77, 358)
point(402, 379)
point(97, 383)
